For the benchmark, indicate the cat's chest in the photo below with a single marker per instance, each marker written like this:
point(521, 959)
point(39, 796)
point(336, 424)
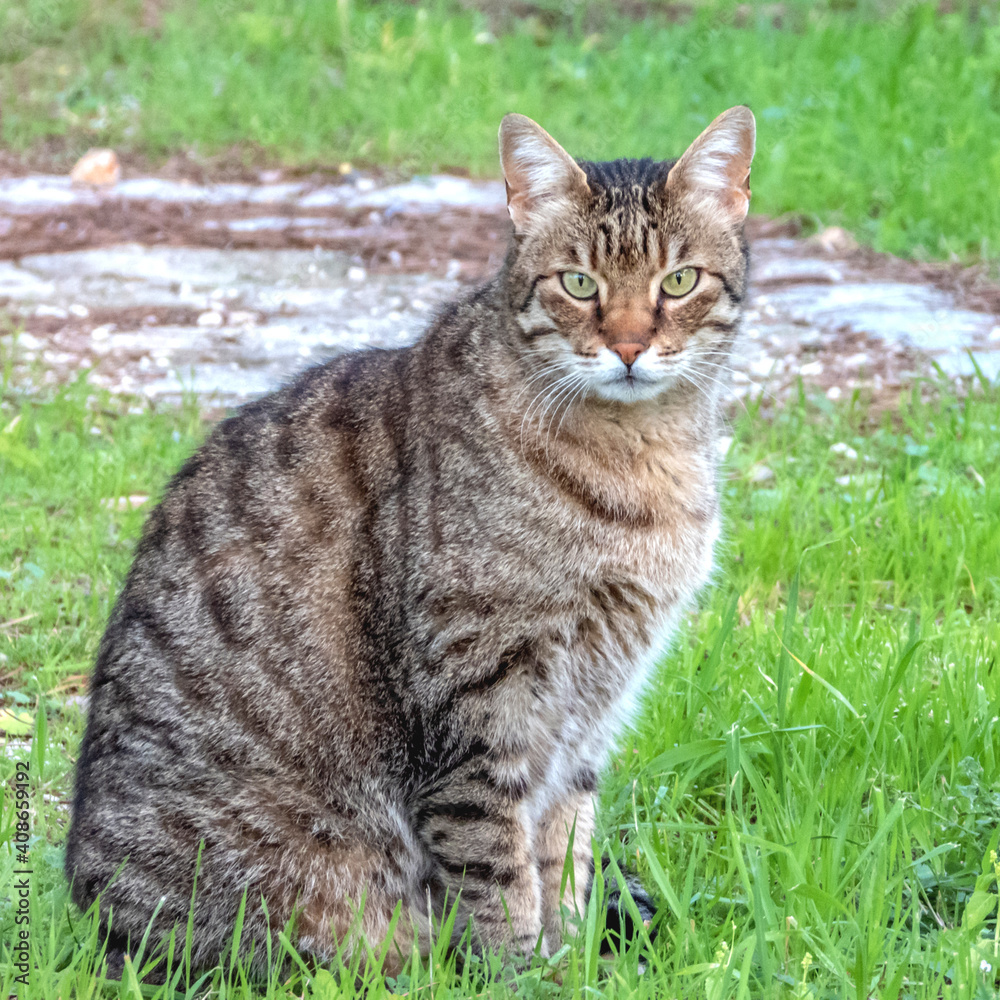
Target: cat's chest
point(621, 626)
point(552, 600)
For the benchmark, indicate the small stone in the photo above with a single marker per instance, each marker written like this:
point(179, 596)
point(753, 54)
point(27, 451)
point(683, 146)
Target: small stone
point(994, 335)
point(843, 480)
point(28, 343)
point(856, 360)
point(100, 332)
point(130, 502)
point(811, 369)
point(843, 448)
point(395, 258)
point(242, 317)
point(760, 473)
point(210, 318)
point(356, 274)
point(834, 239)
point(834, 392)
point(78, 310)
point(454, 269)
point(97, 168)
point(57, 312)
point(763, 367)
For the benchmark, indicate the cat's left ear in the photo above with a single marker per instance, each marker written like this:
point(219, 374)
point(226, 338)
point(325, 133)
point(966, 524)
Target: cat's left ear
point(717, 164)
point(538, 171)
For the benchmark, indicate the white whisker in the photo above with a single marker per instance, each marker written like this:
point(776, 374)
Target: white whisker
point(581, 390)
point(546, 395)
point(566, 395)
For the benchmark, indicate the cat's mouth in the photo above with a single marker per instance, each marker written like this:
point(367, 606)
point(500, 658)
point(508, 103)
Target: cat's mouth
point(608, 378)
point(628, 385)
point(633, 375)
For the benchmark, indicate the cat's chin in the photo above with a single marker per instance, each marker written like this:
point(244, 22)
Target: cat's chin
point(630, 388)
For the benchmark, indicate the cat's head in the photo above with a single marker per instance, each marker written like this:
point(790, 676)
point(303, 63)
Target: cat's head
point(627, 277)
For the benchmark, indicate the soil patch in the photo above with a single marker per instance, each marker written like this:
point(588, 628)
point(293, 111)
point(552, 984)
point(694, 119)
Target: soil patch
point(230, 288)
point(465, 242)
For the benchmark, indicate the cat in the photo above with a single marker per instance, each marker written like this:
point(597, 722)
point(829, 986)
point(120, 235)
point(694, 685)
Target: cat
point(382, 630)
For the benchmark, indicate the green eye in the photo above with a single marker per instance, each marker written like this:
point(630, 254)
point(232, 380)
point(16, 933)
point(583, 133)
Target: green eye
point(680, 282)
point(579, 285)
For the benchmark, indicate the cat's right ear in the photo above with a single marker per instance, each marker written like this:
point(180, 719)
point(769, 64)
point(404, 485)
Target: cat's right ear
point(537, 170)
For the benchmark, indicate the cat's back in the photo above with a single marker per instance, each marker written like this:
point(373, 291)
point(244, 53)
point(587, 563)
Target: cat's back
point(226, 650)
point(240, 634)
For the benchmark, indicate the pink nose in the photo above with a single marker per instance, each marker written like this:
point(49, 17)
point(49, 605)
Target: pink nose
point(628, 352)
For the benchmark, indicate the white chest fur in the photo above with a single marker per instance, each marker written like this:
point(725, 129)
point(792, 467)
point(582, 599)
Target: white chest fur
point(598, 687)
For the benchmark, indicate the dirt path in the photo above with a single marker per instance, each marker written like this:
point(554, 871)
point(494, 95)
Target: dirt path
point(227, 289)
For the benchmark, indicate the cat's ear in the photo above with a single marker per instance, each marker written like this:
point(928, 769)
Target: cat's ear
point(536, 168)
point(717, 164)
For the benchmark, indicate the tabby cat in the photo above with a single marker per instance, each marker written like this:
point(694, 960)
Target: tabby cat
point(382, 630)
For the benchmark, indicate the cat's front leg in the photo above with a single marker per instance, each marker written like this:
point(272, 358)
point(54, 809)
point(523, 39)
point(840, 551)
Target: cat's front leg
point(571, 819)
point(481, 846)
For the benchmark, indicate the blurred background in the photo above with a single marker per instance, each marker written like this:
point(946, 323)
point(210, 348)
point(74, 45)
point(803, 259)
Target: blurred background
point(881, 116)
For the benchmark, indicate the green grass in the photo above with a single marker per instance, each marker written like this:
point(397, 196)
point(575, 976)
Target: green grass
point(881, 117)
point(812, 791)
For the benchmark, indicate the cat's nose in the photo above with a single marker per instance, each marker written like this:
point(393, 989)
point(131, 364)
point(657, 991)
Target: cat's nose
point(628, 352)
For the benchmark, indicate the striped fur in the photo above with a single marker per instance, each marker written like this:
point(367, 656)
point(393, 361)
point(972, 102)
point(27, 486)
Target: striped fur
point(380, 633)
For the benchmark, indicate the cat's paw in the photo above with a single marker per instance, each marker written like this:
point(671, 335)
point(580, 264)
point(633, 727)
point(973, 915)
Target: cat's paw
point(620, 929)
